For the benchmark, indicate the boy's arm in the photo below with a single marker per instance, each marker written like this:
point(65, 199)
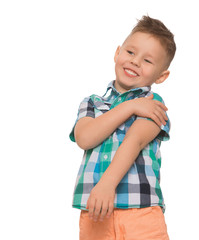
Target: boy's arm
point(138, 136)
point(90, 132)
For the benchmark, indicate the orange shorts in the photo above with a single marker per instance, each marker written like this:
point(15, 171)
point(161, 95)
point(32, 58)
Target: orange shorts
point(129, 224)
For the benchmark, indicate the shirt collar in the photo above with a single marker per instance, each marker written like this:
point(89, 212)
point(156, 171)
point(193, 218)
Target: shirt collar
point(139, 90)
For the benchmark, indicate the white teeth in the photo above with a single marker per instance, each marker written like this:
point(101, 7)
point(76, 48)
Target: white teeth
point(130, 72)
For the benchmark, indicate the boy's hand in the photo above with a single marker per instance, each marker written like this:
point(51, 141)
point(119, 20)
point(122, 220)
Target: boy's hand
point(101, 201)
point(147, 107)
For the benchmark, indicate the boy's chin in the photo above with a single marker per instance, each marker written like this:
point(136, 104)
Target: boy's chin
point(121, 87)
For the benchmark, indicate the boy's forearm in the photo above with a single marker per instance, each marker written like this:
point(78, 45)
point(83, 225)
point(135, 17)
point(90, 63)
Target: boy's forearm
point(121, 163)
point(90, 132)
point(138, 136)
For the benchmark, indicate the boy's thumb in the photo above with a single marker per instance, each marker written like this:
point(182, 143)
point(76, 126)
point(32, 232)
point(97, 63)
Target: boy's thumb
point(150, 97)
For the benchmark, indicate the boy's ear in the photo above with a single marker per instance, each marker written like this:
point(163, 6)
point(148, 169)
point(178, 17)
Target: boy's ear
point(163, 76)
point(116, 53)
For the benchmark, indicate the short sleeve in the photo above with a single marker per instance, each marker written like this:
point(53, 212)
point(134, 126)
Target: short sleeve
point(165, 129)
point(86, 109)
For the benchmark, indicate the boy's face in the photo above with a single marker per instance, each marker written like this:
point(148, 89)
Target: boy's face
point(139, 62)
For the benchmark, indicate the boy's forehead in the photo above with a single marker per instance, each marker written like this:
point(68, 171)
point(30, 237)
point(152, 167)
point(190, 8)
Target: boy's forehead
point(134, 36)
point(142, 39)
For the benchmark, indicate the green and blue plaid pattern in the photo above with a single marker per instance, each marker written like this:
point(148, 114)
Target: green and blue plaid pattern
point(140, 187)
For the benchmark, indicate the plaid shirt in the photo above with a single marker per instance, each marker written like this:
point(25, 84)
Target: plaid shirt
point(140, 187)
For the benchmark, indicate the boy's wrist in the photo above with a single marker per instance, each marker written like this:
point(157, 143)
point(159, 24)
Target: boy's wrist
point(129, 106)
point(108, 181)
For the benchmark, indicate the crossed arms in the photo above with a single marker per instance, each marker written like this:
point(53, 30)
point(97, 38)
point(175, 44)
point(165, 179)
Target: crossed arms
point(90, 132)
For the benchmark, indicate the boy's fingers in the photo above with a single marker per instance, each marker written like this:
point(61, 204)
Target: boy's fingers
point(156, 120)
point(110, 209)
point(161, 114)
point(164, 116)
point(160, 117)
point(91, 207)
point(98, 207)
point(161, 105)
point(103, 211)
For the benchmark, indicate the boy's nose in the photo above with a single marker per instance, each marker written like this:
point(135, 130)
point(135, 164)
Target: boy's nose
point(135, 61)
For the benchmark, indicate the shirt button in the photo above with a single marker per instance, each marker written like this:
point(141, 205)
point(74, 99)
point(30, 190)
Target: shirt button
point(105, 157)
point(119, 99)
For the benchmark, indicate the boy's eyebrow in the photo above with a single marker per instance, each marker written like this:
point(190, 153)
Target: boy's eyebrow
point(131, 46)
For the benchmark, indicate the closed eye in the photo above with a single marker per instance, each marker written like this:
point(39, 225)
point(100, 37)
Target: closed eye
point(146, 60)
point(131, 53)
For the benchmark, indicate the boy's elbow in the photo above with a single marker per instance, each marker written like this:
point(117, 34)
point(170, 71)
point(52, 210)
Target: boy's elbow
point(82, 135)
point(82, 141)
point(83, 145)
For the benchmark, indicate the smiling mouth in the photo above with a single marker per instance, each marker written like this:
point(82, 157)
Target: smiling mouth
point(130, 73)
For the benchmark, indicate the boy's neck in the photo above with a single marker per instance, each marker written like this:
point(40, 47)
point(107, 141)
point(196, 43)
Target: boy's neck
point(123, 90)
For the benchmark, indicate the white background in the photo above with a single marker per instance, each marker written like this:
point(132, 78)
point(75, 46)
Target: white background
point(52, 55)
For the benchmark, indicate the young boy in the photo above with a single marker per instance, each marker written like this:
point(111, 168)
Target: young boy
point(118, 184)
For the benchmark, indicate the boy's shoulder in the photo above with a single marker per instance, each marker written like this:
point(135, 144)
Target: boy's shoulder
point(157, 97)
